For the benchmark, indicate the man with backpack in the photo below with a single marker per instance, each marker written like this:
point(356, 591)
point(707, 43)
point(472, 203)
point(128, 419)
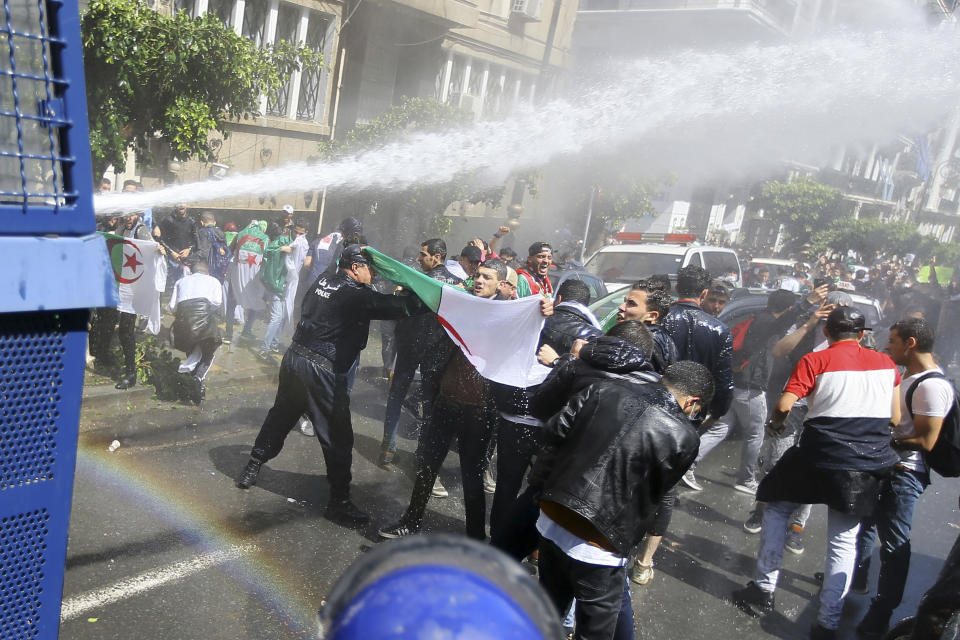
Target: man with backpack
point(927, 401)
point(212, 246)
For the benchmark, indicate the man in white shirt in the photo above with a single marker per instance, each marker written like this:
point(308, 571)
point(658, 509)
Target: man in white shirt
point(196, 300)
point(294, 261)
point(931, 397)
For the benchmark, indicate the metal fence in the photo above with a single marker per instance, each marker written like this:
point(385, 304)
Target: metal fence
point(46, 238)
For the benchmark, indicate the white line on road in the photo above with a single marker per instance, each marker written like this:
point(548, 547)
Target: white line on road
point(79, 605)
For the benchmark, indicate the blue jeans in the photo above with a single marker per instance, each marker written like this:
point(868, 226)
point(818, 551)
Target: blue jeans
point(276, 321)
point(842, 532)
point(891, 522)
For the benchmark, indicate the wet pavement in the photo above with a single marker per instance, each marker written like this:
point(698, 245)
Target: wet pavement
point(162, 545)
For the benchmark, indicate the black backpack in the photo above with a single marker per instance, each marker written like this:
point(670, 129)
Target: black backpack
point(944, 458)
point(219, 258)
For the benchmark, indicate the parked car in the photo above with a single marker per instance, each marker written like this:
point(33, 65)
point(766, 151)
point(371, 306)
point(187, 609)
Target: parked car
point(597, 288)
point(745, 303)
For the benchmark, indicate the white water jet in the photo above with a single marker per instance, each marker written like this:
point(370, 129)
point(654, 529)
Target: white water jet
point(733, 110)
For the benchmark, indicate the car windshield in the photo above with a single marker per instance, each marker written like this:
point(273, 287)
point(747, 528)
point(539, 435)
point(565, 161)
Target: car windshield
point(627, 267)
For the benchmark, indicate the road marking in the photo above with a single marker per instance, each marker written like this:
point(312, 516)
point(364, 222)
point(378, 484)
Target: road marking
point(78, 605)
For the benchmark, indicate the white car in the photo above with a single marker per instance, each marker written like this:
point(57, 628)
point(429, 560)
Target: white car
point(620, 265)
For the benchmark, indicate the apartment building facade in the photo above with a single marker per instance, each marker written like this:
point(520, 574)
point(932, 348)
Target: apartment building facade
point(483, 56)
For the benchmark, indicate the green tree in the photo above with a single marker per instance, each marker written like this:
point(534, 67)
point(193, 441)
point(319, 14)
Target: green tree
point(874, 238)
point(803, 206)
point(150, 74)
point(419, 209)
point(621, 195)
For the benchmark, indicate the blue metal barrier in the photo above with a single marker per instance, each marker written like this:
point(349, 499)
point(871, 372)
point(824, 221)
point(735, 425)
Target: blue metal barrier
point(56, 268)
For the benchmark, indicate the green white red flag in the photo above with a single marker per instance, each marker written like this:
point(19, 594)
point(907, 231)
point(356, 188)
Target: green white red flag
point(141, 275)
point(499, 337)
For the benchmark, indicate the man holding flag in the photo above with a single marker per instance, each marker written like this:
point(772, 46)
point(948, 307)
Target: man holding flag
point(137, 261)
point(245, 288)
point(464, 408)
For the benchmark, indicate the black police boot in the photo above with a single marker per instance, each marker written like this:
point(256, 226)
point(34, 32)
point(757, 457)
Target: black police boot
point(126, 382)
point(249, 476)
point(345, 513)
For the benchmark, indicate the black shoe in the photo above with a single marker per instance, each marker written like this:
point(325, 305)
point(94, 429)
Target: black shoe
point(753, 600)
point(398, 530)
point(126, 382)
point(249, 476)
point(819, 632)
point(346, 513)
point(875, 622)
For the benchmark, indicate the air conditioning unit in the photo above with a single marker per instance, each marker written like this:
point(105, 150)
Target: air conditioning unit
point(526, 9)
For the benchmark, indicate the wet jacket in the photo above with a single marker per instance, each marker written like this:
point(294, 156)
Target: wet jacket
point(612, 453)
point(664, 349)
point(702, 338)
point(604, 358)
point(336, 316)
point(567, 324)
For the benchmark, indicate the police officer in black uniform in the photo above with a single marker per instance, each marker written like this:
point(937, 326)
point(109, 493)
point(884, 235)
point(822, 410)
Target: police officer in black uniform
point(332, 332)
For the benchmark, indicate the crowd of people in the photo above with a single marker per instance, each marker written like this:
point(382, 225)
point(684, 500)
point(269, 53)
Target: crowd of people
point(585, 467)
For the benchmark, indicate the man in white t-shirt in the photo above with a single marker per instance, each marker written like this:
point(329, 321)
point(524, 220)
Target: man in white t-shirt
point(910, 345)
point(294, 262)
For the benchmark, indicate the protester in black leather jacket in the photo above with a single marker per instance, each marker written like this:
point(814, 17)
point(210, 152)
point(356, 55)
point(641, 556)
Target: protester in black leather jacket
point(702, 338)
point(571, 319)
point(605, 357)
point(613, 451)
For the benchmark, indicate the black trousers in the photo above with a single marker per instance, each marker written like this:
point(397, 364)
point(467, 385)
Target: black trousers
point(309, 386)
point(597, 589)
point(128, 342)
point(208, 348)
point(409, 357)
point(516, 446)
point(471, 426)
point(103, 324)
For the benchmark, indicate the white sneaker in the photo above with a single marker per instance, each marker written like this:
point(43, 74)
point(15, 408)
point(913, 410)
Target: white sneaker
point(306, 428)
point(690, 480)
point(439, 491)
point(749, 487)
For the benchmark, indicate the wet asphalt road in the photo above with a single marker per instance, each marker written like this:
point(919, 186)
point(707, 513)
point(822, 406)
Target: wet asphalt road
point(162, 545)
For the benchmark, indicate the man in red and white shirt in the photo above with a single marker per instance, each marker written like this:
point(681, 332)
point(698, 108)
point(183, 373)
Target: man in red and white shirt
point(842, 460)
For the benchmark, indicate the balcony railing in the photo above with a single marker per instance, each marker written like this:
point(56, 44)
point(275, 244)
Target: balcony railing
point(779, 12)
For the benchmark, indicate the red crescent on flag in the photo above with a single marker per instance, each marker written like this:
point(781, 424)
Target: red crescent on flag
point(113, 242)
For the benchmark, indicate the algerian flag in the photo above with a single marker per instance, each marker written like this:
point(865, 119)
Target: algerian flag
point(245, 267)
point(141, 275)
point(498, 337)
